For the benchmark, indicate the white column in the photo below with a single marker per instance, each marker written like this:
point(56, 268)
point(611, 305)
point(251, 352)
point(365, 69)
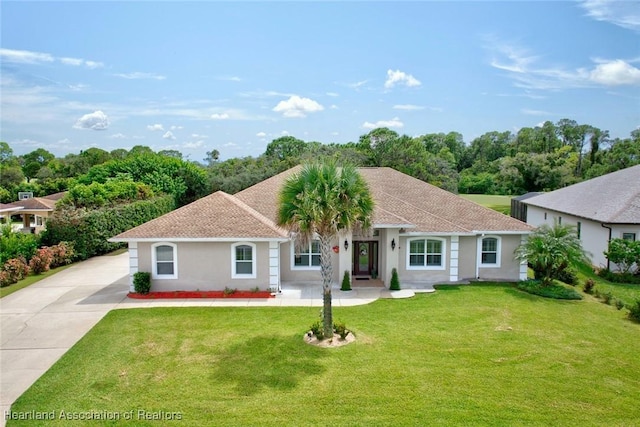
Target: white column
point(133, 263)
point(453, 259)
point(523, 264)
point(274, 266)
point(345, 256)
point(392, 255)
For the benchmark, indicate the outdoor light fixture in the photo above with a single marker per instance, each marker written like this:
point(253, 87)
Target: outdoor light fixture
point(346, 244)
point(393, 244)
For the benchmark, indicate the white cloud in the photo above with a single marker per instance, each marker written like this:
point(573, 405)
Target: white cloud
point(118, 136)
point(138, 75)
point(156, 127)
point(400, 77)
point(193, 144)
point(96, 121)
point(534, 112)
point(357, 85)
point(174, 127)
point(625, 14)
point(261, 134)
point(64, 141)
point(285, 133)
point(334, 107)
point(393, 123)
point(616, 72)
point(408, 107)
point(220, 116)
point(94, 64)
point(24, 56)
point(297, 106)
point(334, 94)
point(72, 61)
point(335, 133)
point(230, 78)
point(169, 135)
point(230, 144)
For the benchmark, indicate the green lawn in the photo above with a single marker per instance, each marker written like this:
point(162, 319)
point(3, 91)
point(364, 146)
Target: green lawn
point(466, 355)
point(498, 203)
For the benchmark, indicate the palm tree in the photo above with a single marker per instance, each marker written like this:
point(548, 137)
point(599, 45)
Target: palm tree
point(321, 201)
point(551, 250)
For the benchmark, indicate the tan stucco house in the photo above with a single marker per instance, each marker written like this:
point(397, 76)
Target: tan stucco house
point(601, 209)
point(428, 234)
point(34, 211)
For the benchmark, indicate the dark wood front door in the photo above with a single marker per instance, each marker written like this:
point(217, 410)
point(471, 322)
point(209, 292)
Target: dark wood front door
point(365, 258)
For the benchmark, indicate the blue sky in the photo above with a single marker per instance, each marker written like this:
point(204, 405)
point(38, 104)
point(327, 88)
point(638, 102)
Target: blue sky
point(197, 76)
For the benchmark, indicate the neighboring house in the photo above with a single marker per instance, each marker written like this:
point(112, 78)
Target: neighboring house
point(428, 234)
point(7, 210)
point(601, 209)
point(34, 210)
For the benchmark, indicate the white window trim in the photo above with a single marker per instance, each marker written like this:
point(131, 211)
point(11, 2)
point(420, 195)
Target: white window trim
point(427, 267)
point(254, 255)
point(498, 252)
point(302, 267)
point(154, 269)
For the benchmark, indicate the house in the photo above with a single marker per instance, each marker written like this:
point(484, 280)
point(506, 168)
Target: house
point(34, 210)
point(428, 234)
point(601, 209)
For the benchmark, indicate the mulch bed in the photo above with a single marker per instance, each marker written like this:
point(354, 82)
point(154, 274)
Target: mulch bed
point(200, 294)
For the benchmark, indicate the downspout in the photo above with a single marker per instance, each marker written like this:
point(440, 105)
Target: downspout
point(478, 254)
point(608, 241)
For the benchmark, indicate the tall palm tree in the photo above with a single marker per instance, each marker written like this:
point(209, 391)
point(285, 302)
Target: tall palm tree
point(321, 201)
point(550, 250)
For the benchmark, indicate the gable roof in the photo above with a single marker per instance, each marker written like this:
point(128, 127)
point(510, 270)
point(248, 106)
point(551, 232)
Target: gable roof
point(36, 204)
point(401, 201)
point(613, 198)
point(217, 216)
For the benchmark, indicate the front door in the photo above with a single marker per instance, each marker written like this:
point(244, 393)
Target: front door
point(365, 258)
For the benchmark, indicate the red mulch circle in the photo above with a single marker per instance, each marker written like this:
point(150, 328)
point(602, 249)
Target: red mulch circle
point(200, 294)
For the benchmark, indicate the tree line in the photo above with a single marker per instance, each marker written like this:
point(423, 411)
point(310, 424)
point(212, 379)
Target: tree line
point(541, 158)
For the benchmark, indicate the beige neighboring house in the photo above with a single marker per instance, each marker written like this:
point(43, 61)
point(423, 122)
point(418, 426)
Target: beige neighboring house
point(428, 234)
point(34, 211)
point(601, 209)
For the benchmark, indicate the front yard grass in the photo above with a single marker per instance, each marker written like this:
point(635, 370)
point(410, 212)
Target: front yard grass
point(484, 354)
point(626, 292)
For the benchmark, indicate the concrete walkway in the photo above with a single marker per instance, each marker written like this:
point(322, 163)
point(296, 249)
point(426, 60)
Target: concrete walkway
point(41, 322)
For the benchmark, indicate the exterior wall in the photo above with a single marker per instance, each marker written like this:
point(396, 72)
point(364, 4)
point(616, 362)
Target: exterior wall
point(509, 268)
point(206, 266)
point(306, 274)
point(422, 276)
point(467, 258)
point(594, 237)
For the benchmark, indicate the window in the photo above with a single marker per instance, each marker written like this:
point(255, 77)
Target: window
point(629, 236)
point(308, 257)
point(243, 260)
point(490, 251)
point(426, 254)
point(579, 229)
point(164, 259)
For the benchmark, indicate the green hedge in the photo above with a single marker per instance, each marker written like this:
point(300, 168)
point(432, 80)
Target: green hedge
point(90, 229)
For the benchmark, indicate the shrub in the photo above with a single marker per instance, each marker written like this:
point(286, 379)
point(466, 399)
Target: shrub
point(41, 260)
point(229, 291)
point(346, 282)
point(142, 282)
point(62, 254)
point(607, 297)
point(589, 285)
point(16, 244)
point(616, 277)
point(624, 253)
point(255, 290)
point(340, 329)
point(554, 291)
point(634, 311)
point(15, 269)
point(568, 276)
point(619, 304)
point(395, 282)
point(4, 279)
point(317, 330)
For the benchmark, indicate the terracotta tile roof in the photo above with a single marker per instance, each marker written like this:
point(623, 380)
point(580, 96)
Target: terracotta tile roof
point(400, 201)
point(613, 198)
point(217, 216)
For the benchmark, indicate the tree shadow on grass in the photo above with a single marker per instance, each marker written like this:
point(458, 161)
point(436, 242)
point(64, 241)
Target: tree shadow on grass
point(277, 362)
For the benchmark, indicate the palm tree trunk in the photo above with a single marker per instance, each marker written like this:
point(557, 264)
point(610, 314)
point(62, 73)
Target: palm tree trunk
point(326, 270)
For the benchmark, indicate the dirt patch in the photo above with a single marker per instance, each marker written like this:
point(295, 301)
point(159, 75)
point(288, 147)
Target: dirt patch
point(336, 341)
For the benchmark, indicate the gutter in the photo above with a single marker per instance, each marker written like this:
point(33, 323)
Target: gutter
point(608, 241)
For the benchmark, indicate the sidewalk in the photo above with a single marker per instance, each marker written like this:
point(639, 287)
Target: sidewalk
point(41, 322)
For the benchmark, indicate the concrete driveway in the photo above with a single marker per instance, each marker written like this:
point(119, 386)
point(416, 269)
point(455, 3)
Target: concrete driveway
point(41, 322)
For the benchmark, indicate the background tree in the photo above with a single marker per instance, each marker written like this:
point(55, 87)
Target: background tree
point(550, 250)
point(323, 200)
point(33, 161)
point(286, 147)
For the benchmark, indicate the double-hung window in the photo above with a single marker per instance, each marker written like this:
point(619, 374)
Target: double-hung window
point(426, 254)
point(164, 259)
point(243, 261)
point(307, 257)
point(490, 252)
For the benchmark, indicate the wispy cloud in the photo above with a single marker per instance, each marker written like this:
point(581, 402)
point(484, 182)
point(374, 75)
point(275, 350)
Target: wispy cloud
point(156, 127)
point(535, 112)
point(528, 73)
point(625, 14)
point(408, 107)
point(30, 57)
point(139, 75)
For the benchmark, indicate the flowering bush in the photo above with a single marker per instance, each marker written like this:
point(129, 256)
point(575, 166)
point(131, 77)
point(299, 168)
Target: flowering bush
point(15, 269)
point(62, 254)
point(41, 261)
